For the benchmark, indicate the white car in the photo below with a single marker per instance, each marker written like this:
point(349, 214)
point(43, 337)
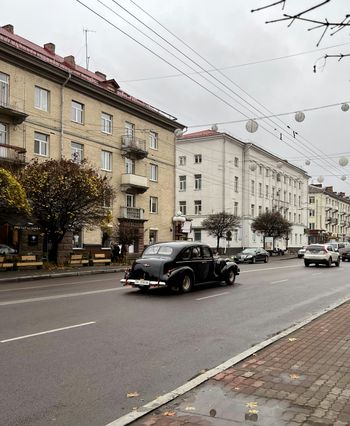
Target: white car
point(321, 254)
point(5, 249)
point(301, 252)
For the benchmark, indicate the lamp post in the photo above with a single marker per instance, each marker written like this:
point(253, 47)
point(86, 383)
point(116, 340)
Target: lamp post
point(178, 220)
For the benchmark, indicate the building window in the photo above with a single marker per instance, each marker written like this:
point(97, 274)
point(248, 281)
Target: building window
point(182, 160)
point(260, 210)
point(153, 236)
point(153, 205)
point(260, 170)
point(311, 200)
point(236, 162)
point(153, 140)
point(235, 208)
point(285, 179)
point(3, 133)
point(106, 161)
point(311, 212)
point(106, 123)
point(260, 190)
point(129, 166)
point(197, 235)
point(198, 207)
point(299, 201)
point(290, 198)
point(129, 129)
point(252, 210)
point(153, 172)
point(311, 226)
point(236, 184)
point(198, 158)
point(267, 191)
point(299, 218)
point(130, 200)
point(77, 112)
point(4, 89)
point(77, 239)
point(77, 151)
point(197, 182)
point(253, 187)
point(182, 181)
point(295, 199)
point(41, 144)
point(41, 98)
point(267, 173)
point(182, 207)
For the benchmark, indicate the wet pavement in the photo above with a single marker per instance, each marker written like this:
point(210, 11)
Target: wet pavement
point(301, 379)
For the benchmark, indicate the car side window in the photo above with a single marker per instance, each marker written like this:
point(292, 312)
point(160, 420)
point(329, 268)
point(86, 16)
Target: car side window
point(206, 252)
point(186, 254)
point(330, 248)
point(196, 252)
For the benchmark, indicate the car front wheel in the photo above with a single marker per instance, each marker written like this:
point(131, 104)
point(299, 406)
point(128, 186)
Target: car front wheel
point(337, 263)
point(230, 277)
point(266, 259)
point(186, 284)
point(329, 263)
point(253, 260)
point(306, 263)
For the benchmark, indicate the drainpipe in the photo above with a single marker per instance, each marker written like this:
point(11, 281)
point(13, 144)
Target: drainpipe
point(224, 176)
point(62, 104)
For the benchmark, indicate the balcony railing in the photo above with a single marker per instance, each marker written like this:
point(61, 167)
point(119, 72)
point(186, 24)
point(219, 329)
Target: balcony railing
point(12, 153)
point(16, 115)
point(132, 213)
point(134, 183)
point(134, 147)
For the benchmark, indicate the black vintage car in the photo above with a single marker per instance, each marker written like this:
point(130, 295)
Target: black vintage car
point(179, 265)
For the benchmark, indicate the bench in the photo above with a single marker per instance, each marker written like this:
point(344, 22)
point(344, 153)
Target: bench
point(28, 261)
point(77, 260)
point(100, 258)
point(5, 264)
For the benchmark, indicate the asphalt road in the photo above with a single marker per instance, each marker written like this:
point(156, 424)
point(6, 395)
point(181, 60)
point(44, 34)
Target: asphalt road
point(72, 348)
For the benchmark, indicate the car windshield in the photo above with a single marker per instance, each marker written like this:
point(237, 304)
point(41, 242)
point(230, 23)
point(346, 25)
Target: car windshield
point(249, 251)
point(159, 250)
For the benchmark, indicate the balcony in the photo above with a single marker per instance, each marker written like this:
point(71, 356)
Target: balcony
point(12, 154)
point(134, 184)
point(134, 148)
point(131, 213)
point(12, 112)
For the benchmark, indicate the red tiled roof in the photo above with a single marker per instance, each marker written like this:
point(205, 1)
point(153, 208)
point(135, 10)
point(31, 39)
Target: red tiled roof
point(55, 60)
point(200, 134)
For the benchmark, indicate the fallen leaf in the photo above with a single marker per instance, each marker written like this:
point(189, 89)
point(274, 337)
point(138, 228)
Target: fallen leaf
point(292, 339)
point(237, 388)
point(294, 376)
point(169, 413)
point(132, 394)
point(190, 408)
point(253, 411)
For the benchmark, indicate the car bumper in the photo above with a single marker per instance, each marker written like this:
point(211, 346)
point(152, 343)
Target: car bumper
point(142, 284)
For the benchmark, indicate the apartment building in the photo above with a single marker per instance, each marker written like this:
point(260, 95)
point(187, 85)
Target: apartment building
point(329, 214)
point(50, 107)
point(217, 172)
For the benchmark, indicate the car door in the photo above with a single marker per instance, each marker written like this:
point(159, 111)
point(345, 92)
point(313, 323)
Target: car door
point(207, 264)
point(198, 264)
point(333, 253)
point(259, 256)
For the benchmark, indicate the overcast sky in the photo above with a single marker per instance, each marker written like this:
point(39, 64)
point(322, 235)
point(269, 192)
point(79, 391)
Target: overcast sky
point(231, 38)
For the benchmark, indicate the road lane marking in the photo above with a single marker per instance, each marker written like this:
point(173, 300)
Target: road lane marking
point(54, 285)
point(59, 296)
point(213, 295)
point(47, 332)
point(279, 281)
point(269, 269)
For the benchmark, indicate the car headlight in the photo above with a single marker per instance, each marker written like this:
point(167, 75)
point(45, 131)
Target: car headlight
point(249, 256)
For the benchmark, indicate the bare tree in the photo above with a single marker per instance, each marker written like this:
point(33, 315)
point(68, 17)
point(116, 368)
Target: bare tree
point(326, 26)
point(218, 224)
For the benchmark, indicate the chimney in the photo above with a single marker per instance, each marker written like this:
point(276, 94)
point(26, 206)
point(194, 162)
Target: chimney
point(50, 47)
point(329, 188)
point(341, 194)
point(100, 74)
point(70, 61)
point(8, 28)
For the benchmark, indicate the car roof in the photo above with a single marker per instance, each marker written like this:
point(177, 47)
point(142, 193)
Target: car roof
point(177, 246)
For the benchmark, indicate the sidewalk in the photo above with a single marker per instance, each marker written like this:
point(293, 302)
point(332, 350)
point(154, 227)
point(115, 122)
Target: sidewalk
point(301, 379)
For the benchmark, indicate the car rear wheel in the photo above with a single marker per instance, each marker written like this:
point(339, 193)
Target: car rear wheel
point(266, 259)
point(230, 277)
point(186, 284)
point(253, 260)
point(306, 263)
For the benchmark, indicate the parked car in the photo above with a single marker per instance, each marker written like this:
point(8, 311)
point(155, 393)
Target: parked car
point(179, 265)
point(252, 255)
point(301, 252)
point(5, 249)
point(321, 254)
point(345, 253)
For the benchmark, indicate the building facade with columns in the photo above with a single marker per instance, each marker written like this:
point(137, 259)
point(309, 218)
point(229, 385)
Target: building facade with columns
point(50, 107)
point(217, 172)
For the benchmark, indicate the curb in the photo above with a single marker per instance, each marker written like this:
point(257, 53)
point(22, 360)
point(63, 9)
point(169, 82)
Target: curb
point(170, 396)
point(59, 275)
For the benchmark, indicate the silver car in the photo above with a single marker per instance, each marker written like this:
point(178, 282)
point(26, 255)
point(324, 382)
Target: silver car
point(321, 254)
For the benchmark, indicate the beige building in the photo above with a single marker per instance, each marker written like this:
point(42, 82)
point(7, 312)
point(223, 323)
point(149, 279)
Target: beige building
point(329, 214)
point(50, 107)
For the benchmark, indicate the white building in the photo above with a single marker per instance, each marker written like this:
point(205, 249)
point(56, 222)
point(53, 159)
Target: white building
point(216, 172)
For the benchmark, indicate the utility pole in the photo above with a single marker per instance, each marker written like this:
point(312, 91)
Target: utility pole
point(87, 57)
